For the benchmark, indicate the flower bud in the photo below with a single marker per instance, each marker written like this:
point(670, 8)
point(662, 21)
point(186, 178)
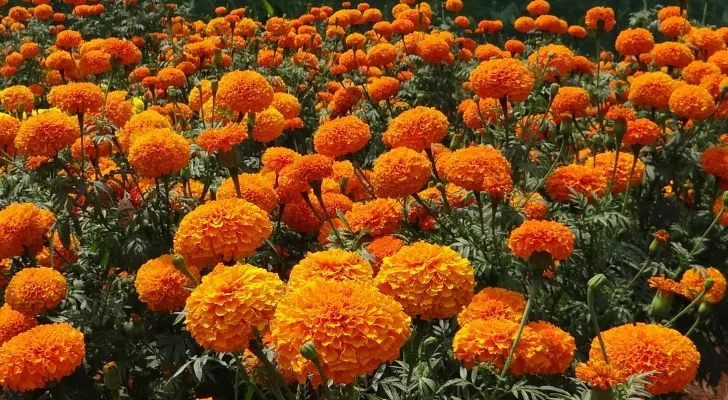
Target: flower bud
point(179, 262)
point(171, 91)
point(213, 86)
point(554, 90)
point(725, 198)
point(620, 127)
point(661, 304)
point(112, 379)
point(705, 309)
point(308, 351)
point(597, 281)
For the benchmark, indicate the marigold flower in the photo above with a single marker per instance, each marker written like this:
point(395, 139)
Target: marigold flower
point(383, 246)
point(502, 78)
point(694, 72)
point(675, 26)
point(331, 264)
point(416, 128)
point(77, 97)
point(430, 281)
point(480, 168)
point(255, 188)
point(493, 303)
point(40, 355)
point(13, 323)
point(9, 127)
point(651, 89)
point(524, 24)
point(666, 285)
point(572, 101)
point(170, 77)
point(560, 346)
point(692, 102)
point(639, 348)
point(159, 152)
point(15, 98)
point(161, 286)
point(139, 124)
point(604, 162)
point(94, 62)
point(598, 375)
point(453, 5)
point(222, 138)
point(641, 132)
point(576, 31)
point(383, 88)
point(531, 205)
point(244, 91)
point(720, 58)
point(376, 218)
point(714, 161)
point(35, 290)
point(268, 125)
point(286, 104)
point(230, 304)
point(693, 282)
point(68, 39)
point(276, 158)
point(341, 136)
point(350, 338)
point(601, 18)
point(433, 49)
point(634, 41)
point(23, 228)
point(705, 39)
point(221, 230)
point(538, 7)
point(553, 58)
point(672, 54)
point(541, 237)
point(400, 172)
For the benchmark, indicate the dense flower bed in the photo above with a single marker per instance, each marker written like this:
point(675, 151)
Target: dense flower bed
point(356, 202)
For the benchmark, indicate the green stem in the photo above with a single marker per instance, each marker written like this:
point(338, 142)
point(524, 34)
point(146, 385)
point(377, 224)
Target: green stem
point(696, 301)
point(625, 199)
point(595, 321)
point(532, 293)
point(646, 264)
point(274, 378)
point(695, 325)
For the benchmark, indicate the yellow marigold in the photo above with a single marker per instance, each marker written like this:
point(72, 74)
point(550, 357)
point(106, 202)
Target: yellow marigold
point(377, 217)
point(581, 179)
point(170, 77)
point(692, 102)
point(286, 104)
point(40, 355)
point(9, 127)
point(493, 303)
point(222, 138)
point(572, 101)
point(221, 230)
point(268, 125)
point(541, 237)
point(23, 228)
point(693, 281)
point(502, 78)
point(416, 128)
point(276, 158)
point(559, 345)
point(158, 153)
point(15, 98)
point(332, 264)
point(383, 246)
point(598, 375)
point(489, 341)
point(139, 124)
point(230, 304)
point(675, 26)
point(430, 281)
point(244, 91)
point(553, 58)
point(35, 290)
point(714, 161)
point(639, 348)
point(480, 168)
point(351, 338)
point(531, 205)
point(604, 162)
point(255, 188)
point(77, 97)
point(400, 172)
point(161, 286)
point(13, 323)
point(341, 136)
point(694, 72)
point(641, 132)
point(634, 41)
point(601, 18)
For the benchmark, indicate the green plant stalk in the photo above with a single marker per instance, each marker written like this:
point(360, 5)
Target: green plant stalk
point(275, 380)
point(700, 240)
point(324, 378)
point(646, 264)
point(690, 306)
point(532, 293)
point(625, 199)
point(595, 321)
point(695, 325)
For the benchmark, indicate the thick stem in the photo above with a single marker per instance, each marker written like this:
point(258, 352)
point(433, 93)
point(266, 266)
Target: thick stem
point(532, 293)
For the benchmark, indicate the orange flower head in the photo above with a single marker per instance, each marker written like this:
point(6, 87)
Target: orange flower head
point(600, 18)
point(9, 127)
point(13, 323)
point(332, 264)
point(493, 303)
point(255, 188)
point(35, 290)
point(693, 282)
point(244, 91)
point(541, 237)
point(230, 304)
point(675, 27)
point(634, 41)
point(576, 31)
point(553, 59)
point(223, 138)
point(200, 94)
point(40, 355)
point(139, 124)
point(400, 172)
point(666, 285)
point(416, 128)
point(68, 39)
point(604, 162)
point(276, 158)
point(715, 161)
point(161, 286)
point(353, 327)
point(524, 24)
point(672, 54)
point(15, 98)
point(268, 125)
point(430, 281)
point(159, 152)
point(705, 39)
point(23, 228)
point(692, 102)
point(383, 88)
point(560, 346)
point(651, 89)
point(571, 101)
point(481, 169)
point(538, 7)
point(531, 205)
point(641, 132)
point(383, 246)
point(77, 97)
point(376, 218)
point(434, 49)
point(341, 136)
point(286, 104)
point(502, 78)
point(598, 375)
point(694, 72)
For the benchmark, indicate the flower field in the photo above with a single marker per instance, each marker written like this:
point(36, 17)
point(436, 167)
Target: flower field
point(361, 202)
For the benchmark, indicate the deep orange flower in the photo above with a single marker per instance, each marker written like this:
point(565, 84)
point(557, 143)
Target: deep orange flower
point(255, 188)
point(598, 375)
point(416, 128)
point(666, 286)
point(351, 338)
point(331, 264)
point(434, 49)
point(39, 356)
point(720, 58)
point(222, 230)
point(570, 101)
point(13, 323)
point(68, 39)
point(531, 205)
point(94, 62)
point(400, 172)
point(553, 58)
point(223, 138)
point(694, 72)
point(675, 26)
point(139, 124)
point(692, 102)
point(77, 97)
point(576, 31)
point(693, 282)
point(538, 7)
point(35, 290)
point(159, 152)
point(651, 89)
point(641, 132)
point(672, 54)
point(480, 168)
point(341, 136)
point(230, 304)
point(604, 163)
point(286, 104)
point(23, 228)
point(15, 98)
point(705, 39)
point(430, 281)
point(524, 24)
point(268, 125)
point(541, 237)
point(493, 303)
point(383, 88)
point(634, 41)
point(715, 161)
point(383, 246)
point(376, 218)
point(560, 346)
point(276, 158)
point(502, 78)
point(161, 286)
point(9, 127)
point(600, 18)
point(244, 91)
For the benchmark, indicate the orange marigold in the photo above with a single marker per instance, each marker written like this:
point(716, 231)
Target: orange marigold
point(286, 104)
point(377, 217)
point(13, 323)
point(276, 158)
point(23, 228)
point(351, 338)
point(560, 347)
point(383, 88)
point(332, 264)
point(430, 281)
point(15, 98)
point(694, 72)
point(244, 91)
point(77, 97)
point(9, 127)
point(531, 205)
point(672, 54)
point(604, 163)
point(693, 282)
point(35, 290)
point(221, 230)
point(634, 41)
point(714, 161)
point(502, 78)
point(46, 134)
point(416, 128)
point(139, 124)
point(719, 58)
point(341, 136)
point(400, 172)
point(40, 355)
point(641, 132)
point(161, 286)
point(553, 59)
point(692, 102)
point(675, 26)
point(159, 152)
point(651, 89)
point(705, 39)
point(223, 138)
point(598, 375)
point(170, 77)
point(600, 18)
point(268, 125)
point(541, 237)
point(493, 303)
point(383, 246)
point(230, 305)
point(255, 188)
point(481, 169)
point(571, 100)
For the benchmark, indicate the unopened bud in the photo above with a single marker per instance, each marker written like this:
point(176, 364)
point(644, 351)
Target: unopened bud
point(554, 90)
point(171, 91)
point(213, 86)
point(725, 198)
point(620, 127)
point(705, 309)
point(179, 262)
point(308, 351)
point(661, 304)
point(597, 281)
point(112, 379)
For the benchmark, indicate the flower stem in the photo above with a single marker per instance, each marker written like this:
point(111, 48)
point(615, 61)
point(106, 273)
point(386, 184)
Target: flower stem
point(646, 264)
point(532, 293)
point(593, 313)
point(696, 301)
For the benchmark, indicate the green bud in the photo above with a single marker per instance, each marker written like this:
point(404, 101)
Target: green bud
point(179, 262)
point(213, 85)
point(705, 309)
point(171, 91)
point(104, 87)
point(456, 140)
point(308, 351)
point(218, 57)
point(661, 304)
point(655, 245)
point(112, 378)
point(597, 281)
point(554, 89)
point(708, 283)
point(620, 127)
point(725, 198)
point(429, 343)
